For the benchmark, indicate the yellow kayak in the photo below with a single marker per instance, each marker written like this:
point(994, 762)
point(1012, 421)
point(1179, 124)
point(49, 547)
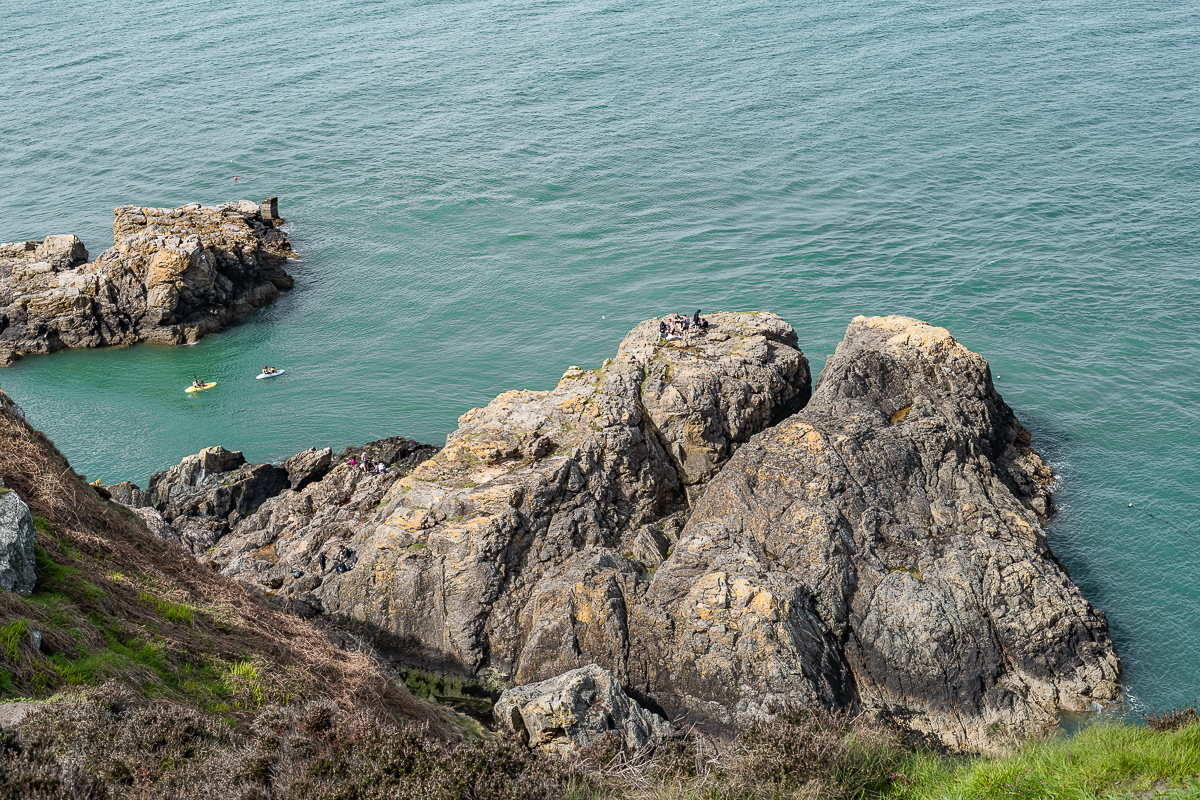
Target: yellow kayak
point(208, 385)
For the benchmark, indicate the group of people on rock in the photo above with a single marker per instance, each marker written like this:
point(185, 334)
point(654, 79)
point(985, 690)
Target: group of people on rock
point(677, 324)
point(365, 464)
point(346, 559)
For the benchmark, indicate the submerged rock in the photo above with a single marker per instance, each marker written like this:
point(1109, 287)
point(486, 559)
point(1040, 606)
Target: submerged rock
point(17, 560)
point(576, 709)
point(171, 276)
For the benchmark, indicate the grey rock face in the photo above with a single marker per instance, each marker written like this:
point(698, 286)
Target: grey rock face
point(462, 565)
point(11, 408)
point(14, 712)
point(395, 451)
point(883, 548)
point(204, 494)
point(576, 709)
point(171, 276)
point(17, 562)
point(308, 466)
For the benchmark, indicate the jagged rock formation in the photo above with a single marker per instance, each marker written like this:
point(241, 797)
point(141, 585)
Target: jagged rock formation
point(526, 491)
point(673, 519)
point(538, 483)
point(882, 548)
point(200, 500)
point(17, 562)
point(172, 276)
point(577, 709)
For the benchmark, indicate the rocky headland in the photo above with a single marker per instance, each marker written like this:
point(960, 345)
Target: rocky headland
point(172, 276)
point(693, 518)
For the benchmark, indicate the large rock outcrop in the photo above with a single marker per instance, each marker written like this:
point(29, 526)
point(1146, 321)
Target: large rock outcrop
point(540, 483)
point(681, 518)
point(172, 276)
point(883, 548)
point(17, 561)
point(577, 709)
point(454, 562)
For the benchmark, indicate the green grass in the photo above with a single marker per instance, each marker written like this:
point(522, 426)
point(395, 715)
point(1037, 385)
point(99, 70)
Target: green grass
point(1101, 761)
point(173, 612)
point(10, 637)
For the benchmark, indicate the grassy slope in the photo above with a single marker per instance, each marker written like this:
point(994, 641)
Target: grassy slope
point(114, 602)
point(1104, 760)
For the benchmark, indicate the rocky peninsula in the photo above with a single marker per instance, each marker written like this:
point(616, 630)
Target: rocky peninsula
point(697, 520)
point(172, 276)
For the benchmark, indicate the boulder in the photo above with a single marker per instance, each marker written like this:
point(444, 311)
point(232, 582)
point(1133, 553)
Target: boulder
point(17, 562)
point(576, 709)
point(15, 712)
point(171, 276)
point(308, 466)
point(882, 549)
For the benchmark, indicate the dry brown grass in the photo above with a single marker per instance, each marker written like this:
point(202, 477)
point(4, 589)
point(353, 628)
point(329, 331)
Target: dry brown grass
point(111, 578)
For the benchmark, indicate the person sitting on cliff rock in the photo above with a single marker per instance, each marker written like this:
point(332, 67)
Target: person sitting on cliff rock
point(380, 467)
point(352, 461)
point(663, 330)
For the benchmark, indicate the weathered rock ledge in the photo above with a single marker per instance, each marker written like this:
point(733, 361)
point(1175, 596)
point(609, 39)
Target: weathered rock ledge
point(686, 518)
point(172, 276)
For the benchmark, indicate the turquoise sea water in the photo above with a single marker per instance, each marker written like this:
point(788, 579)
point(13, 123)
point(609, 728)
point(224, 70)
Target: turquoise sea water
point(486, 192)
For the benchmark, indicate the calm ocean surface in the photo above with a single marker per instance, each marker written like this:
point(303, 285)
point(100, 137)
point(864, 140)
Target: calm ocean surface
point(487, 192)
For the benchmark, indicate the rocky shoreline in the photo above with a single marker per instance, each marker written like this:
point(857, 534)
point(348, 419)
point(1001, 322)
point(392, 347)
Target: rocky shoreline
point(172, 276)
point(693, 517)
